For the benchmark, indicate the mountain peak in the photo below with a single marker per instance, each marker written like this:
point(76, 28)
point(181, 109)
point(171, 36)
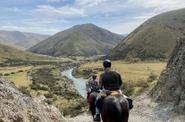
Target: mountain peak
point(84, 40)
point(86, 26)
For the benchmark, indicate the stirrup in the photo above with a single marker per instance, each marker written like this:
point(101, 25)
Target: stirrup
point(97, 118)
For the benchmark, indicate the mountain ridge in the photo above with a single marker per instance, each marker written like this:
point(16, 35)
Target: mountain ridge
point(80, 40)
point(19, 39)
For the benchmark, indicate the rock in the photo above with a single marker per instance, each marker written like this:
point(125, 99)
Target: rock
point(170, 89)
point(16, 107)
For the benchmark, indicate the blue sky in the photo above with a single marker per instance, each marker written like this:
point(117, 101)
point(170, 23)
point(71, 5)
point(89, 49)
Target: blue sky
point(51, 16)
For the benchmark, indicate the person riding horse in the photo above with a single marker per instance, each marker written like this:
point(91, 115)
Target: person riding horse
point(92, 85)
point(109, 81)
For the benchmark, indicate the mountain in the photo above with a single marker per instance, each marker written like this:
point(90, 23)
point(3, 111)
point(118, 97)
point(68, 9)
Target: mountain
point(154, 39)
point(20, 39)
point(80, 40)
point(169, 90)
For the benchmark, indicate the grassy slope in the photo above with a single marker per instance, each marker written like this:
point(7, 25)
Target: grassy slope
point(10, 54)
point(7, 52)
point(18, 75)
point(154, 39)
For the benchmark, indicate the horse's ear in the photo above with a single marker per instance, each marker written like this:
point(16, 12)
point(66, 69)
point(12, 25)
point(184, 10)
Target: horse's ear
point(130, 101)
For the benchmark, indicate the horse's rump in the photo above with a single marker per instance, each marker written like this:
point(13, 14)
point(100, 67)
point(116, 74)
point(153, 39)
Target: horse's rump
point(91, 100)
point(115, 109)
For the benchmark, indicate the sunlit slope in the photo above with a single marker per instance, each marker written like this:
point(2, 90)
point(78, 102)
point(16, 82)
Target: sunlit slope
point(10, 53)
point(154, 39)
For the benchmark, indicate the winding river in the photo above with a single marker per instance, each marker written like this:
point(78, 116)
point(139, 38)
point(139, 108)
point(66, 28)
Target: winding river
point(80, 83)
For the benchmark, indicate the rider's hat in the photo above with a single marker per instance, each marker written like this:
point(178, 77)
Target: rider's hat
point(107, 63)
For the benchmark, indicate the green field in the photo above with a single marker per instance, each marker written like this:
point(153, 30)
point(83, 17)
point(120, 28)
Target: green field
point(137, 77)
point(130, 71)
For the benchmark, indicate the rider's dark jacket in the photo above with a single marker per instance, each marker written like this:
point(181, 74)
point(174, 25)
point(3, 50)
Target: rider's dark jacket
point(110, 80)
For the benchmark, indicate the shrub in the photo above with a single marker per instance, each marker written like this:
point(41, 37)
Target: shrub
point(49, 95)
point(48, 101)
point(128, 88)
point(35, 86)
point(25, 91)
point(6, 74)
point(12, 72)
point(142, 83)
point(20, 71)
point(152, 77)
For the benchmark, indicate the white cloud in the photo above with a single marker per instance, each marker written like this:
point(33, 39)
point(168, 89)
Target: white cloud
point(89, 3)
point(65, 11)
point(159, 5)
point(123, 16)
point(31, 29)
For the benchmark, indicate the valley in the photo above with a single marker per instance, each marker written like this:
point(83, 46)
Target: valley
point(49, 73)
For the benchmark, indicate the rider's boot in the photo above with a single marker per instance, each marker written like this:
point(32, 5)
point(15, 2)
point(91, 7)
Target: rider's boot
point(97, 118)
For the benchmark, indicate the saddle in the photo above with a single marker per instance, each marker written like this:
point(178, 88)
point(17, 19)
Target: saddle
point(110, 93)
point(117, 93)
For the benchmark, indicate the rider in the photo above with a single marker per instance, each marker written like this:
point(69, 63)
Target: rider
point(92, 85)
point(109, 81)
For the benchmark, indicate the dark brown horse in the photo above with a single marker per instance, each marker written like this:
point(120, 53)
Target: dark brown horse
point(91, 100)
point(114, 109)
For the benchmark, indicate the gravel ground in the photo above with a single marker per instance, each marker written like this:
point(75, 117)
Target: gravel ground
point(144, 111)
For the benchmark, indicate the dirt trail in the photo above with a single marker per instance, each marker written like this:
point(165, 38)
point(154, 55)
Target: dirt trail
point(143, 112)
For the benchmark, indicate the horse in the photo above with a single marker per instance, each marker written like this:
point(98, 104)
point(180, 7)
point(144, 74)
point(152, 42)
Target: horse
point(114, 108)
point(91, 100)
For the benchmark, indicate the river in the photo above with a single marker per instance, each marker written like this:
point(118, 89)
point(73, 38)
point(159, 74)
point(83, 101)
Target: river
point(80, 83)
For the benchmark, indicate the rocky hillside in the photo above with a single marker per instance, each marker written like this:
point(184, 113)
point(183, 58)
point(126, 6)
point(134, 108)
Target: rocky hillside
point(170, 89)
point(154, 39)
point(80, 40)
point(20, 39)
point(16, 107)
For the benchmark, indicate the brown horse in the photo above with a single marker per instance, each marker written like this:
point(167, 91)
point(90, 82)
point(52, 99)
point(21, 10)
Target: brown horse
point(114, 108)
point(91, 100)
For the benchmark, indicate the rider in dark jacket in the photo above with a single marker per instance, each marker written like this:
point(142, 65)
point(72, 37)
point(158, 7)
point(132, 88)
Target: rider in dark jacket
point(92, 85)
point(109, 81)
